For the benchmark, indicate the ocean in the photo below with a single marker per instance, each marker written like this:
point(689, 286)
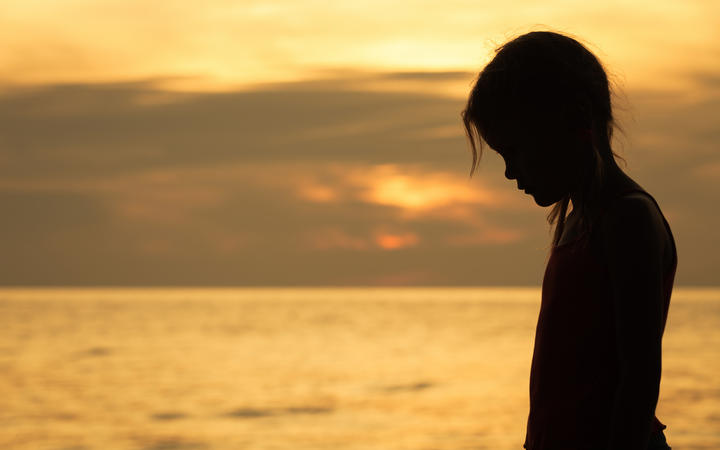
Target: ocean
point(305, 368)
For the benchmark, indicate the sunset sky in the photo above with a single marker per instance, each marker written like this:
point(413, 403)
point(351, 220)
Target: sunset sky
point(299, 142)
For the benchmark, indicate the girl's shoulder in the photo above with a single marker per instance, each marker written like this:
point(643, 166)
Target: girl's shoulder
point(633, 220)
point(633, 208)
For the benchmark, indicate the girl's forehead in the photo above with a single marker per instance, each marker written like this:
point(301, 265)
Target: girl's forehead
point(508, 136)
point(513, 133)
point(494, 140)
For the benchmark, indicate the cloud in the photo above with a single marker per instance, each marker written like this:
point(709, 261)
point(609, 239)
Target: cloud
point(106, 129)
point(324, 182)
point(707, 80)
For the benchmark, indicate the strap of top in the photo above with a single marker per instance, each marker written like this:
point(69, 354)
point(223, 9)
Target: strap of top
point(667, 225)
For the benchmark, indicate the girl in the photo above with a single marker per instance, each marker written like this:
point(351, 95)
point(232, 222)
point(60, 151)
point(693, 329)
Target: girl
point(543, 103)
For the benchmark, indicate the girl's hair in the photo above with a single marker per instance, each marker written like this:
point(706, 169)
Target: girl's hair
point(548, 81)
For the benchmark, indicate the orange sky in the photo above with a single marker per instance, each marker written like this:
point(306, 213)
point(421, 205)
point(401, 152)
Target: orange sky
point(312, 143)
point(231, 43)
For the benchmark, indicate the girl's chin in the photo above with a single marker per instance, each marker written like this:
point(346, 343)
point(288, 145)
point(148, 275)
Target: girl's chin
point(543, 201)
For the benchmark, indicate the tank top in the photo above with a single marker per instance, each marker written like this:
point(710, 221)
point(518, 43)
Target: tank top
point(574, 370)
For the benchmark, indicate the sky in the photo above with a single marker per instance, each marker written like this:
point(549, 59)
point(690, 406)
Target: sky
point(307, 143)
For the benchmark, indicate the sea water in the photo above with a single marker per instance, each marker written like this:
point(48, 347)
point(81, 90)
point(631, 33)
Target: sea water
point(305, 368)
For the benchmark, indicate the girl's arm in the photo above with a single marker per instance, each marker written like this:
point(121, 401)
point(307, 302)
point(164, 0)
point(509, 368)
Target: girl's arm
point(633, 238)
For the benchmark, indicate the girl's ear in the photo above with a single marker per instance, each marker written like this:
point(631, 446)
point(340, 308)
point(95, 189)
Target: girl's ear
point(585, 134)
point(579, 112)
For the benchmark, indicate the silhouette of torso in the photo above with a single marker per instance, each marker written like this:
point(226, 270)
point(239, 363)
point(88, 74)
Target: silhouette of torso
point(575, 369)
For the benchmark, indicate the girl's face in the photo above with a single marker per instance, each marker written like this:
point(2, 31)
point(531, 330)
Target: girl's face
point(545, 164)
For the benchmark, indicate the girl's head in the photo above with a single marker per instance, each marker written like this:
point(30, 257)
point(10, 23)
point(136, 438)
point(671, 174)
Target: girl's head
point(543, 103)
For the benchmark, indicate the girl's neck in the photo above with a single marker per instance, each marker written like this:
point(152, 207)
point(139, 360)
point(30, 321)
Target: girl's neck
point(614, 182)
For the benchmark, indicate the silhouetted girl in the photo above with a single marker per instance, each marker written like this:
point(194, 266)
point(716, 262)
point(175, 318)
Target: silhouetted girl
point(543, 103)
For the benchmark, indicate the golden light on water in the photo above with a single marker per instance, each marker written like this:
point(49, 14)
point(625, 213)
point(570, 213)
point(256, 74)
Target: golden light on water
point(313, 368)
